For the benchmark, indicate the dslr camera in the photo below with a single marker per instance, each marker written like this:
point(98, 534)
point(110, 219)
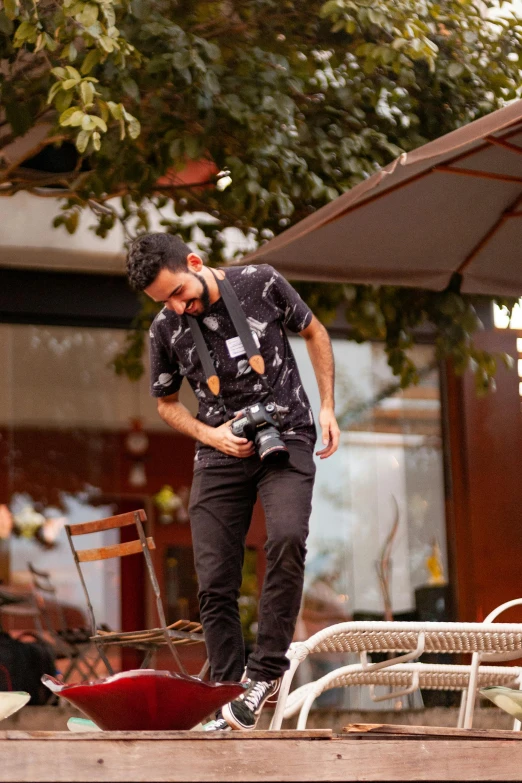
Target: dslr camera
point(259, 425)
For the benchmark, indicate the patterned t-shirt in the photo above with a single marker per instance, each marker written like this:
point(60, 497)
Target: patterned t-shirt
point(270, 304)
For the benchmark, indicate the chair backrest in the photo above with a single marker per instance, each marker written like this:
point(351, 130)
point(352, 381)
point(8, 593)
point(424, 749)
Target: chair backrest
point(43, 591)
point(141, 544)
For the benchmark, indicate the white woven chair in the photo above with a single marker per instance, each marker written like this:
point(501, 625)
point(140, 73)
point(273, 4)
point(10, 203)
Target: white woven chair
point(487, 641)
point(405, 678)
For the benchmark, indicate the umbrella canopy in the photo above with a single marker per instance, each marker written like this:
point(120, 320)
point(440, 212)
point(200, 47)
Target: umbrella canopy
point(453, 205)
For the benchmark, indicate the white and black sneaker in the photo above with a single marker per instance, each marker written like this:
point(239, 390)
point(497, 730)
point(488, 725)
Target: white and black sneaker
point(243, 713)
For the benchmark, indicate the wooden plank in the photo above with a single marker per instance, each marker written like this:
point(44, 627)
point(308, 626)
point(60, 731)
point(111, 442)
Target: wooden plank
point(109, 523)
point(427, 732)
point(251, 760)
point(175, 736)
point(116, 550)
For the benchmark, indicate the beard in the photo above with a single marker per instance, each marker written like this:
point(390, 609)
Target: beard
point(204, 297)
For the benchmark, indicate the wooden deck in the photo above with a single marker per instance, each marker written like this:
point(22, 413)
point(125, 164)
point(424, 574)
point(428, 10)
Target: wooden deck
point(412, 753)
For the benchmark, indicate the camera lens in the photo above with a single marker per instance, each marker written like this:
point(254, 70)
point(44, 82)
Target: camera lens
point(270, 446)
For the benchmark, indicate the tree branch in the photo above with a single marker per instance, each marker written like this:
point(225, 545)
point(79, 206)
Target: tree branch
point(6, 173)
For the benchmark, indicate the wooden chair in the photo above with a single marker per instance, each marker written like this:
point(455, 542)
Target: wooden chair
point(183, 632)
point(71, 644)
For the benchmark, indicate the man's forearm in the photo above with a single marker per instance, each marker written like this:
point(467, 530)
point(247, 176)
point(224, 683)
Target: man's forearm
point(321, 355)
point(177, 416)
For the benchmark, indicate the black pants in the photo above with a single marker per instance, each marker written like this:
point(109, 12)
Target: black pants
point(221, 504)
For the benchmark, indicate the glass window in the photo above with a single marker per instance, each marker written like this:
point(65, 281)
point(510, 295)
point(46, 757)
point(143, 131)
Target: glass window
point(389, 467)
point(62, 412)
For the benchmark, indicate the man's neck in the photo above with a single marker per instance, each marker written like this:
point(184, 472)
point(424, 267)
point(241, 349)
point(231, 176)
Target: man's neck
point(213, 288)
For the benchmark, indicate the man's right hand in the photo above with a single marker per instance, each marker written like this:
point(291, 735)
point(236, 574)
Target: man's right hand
point(223, 439)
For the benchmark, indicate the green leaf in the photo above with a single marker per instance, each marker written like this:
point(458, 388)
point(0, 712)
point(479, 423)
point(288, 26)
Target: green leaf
point(212, 50)
point(6, 25)
point(60, 73)
point(88, 15)
point(212, 82)
point(455, 70)
point(182, 60)
point(109, 14)
point(70, 51)
point(66, 116)
point(87, 93)
point(131, 88)
point(82, 142)
point(88, 123)
point(107, 43)
point(53, 91)
point(98, 122)
point(50, 43)
point(91, 60)
point(72, 117)
point(192, 147)
point(72, 220)
point(116, 109)
point(104, 111)
point(63, 100)
point(73, 73)
point(134, 128)
point(26, 33)
point(12, 8)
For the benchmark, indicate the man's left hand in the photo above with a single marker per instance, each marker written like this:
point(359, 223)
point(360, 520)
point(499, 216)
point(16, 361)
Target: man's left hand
point(330, 433)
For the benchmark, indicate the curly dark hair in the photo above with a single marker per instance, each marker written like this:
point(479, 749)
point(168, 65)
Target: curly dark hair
point(150, 253)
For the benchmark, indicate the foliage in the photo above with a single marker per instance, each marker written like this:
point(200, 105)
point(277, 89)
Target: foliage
point(294, 104)
point(397, 316)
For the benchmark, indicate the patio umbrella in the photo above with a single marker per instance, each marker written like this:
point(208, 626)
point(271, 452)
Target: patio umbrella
point(451, 206)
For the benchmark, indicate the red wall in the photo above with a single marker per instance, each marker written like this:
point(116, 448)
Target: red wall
point(44, 463)
point(484, 499)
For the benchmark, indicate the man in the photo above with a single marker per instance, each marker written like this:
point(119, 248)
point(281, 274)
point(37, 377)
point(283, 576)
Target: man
point(228, 472)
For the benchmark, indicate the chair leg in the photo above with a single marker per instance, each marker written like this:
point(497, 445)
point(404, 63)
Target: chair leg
point(146, 659)
point(516, 723)
point(104, 659)
point(305, 709)
point(277, 720)
point(73, 665)
point(90, 667)
point(462, 709)
point(81, 657)
point(472, 691)
point(204, 669)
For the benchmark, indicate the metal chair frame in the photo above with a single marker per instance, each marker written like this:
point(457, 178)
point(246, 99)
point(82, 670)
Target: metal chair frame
point(66, 645)
point(182, 632)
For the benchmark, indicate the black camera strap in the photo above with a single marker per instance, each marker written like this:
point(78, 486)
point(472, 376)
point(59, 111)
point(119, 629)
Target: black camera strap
point(242, 327)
